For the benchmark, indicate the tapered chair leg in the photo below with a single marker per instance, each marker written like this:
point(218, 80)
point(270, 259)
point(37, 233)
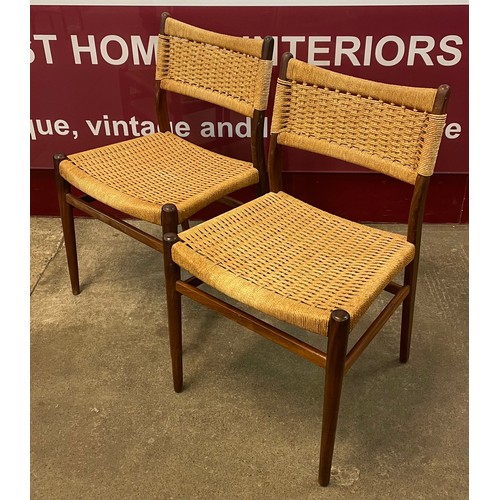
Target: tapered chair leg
point(338, 334)
point(172, 274)
point(68, 224)
point(410, 278)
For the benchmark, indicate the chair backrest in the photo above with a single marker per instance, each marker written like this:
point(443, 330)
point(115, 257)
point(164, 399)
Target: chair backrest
point(392, 129)
point(229, 71)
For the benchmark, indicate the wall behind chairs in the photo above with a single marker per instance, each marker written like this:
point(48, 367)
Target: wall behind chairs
point(92, 83)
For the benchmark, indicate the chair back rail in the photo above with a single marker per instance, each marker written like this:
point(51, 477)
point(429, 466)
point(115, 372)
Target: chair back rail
point(392, 129)
point(229, 71)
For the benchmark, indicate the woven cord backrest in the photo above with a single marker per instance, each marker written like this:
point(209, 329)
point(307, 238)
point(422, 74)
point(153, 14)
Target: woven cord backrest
point(225, 70)
point(387, 128)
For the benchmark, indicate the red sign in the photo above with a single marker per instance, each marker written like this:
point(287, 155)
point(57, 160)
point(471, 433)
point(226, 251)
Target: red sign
point(93, 67)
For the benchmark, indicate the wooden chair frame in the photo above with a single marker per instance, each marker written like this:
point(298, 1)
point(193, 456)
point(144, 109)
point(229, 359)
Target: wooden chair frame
point(336, 360)
point(68, 200)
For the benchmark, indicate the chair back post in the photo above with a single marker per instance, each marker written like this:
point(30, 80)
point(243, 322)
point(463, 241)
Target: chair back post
point(161, 94)
point(257, 133)
point(162, 109)
point(414, 235)
point(274, 165)
point(274, 159)
point(417, 206)
point(416, 213)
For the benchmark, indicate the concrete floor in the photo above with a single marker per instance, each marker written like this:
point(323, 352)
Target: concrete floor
point(106, 423)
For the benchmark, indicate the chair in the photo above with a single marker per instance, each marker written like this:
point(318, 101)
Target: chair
point(139, 177)
point(302, 265)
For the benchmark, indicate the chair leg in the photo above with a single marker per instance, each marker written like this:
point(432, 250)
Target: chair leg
point(338, 335)
point(68, 224)
point(172, 274)
point(185, 224)
point(410, 278)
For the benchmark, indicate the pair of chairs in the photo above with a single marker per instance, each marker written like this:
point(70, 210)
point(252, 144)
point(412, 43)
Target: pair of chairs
point(275, 253)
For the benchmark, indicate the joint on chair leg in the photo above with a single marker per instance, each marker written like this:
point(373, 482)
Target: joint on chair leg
point(169, 218)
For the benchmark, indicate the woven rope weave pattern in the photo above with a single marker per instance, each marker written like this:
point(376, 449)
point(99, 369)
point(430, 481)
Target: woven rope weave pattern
point(140, 175)
point(389, 138)
point(293, 261)
point(218, 75)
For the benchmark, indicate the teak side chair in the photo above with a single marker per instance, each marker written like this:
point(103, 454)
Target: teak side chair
point(304, 266)
point(139, 177)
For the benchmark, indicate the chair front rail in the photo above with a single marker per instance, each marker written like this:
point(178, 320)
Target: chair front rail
point(252, 323)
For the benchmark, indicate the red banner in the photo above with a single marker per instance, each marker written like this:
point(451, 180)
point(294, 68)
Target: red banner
point(93, 67)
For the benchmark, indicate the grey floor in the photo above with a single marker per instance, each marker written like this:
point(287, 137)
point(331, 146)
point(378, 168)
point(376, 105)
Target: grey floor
point(106, 423)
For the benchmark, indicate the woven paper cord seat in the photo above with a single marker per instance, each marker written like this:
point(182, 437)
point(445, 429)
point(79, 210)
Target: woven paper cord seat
point(139, 176)
point(253, 255)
